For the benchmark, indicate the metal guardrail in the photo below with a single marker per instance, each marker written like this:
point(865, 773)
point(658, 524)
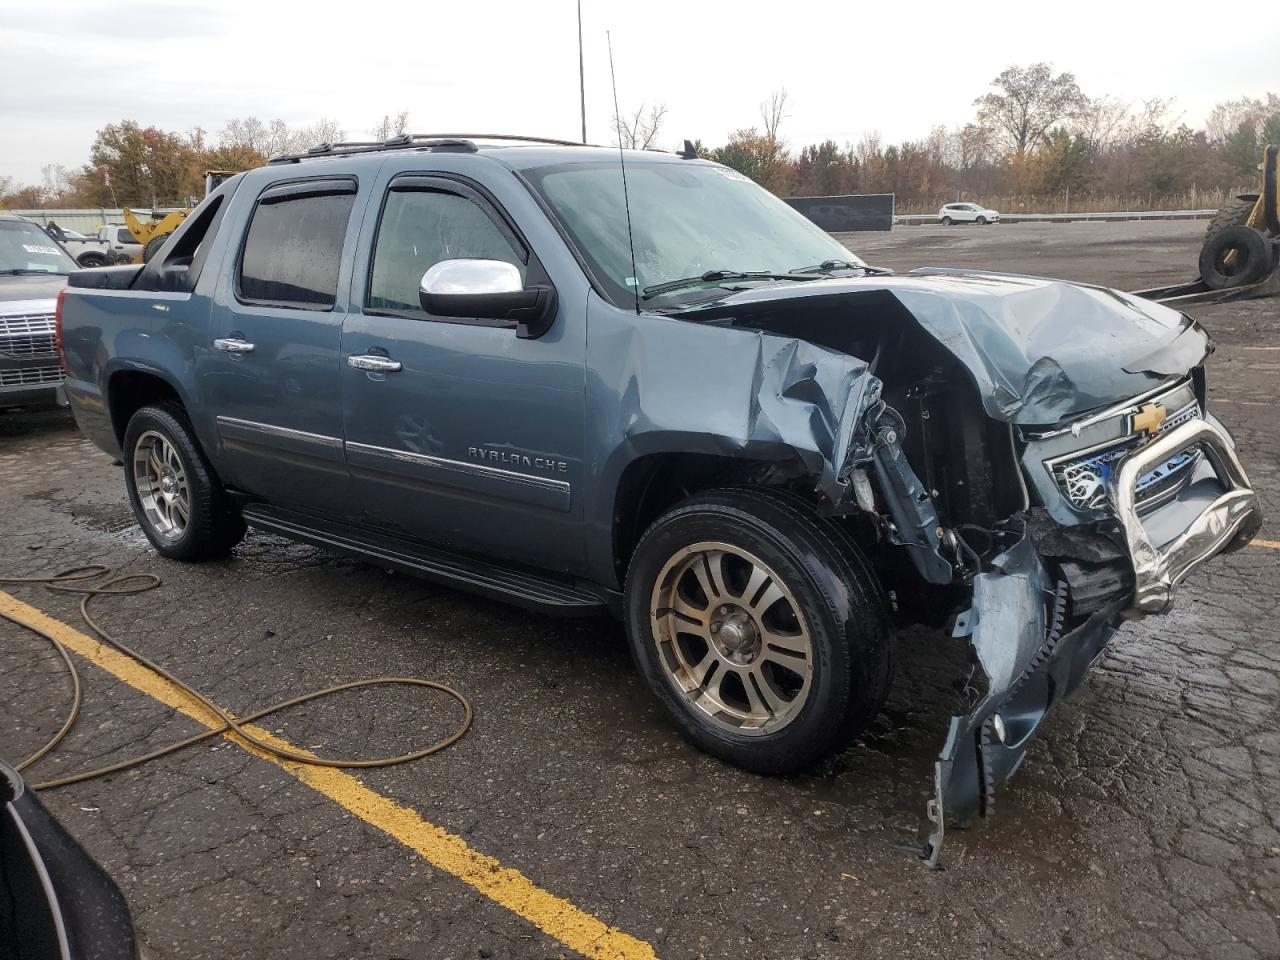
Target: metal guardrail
point(920, 219)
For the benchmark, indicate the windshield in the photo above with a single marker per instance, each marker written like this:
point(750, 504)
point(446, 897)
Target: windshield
point(687, 219)
point(25, 248)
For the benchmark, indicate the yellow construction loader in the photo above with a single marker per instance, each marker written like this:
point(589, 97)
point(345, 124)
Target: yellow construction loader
point(153, 231)
point(1240, 258)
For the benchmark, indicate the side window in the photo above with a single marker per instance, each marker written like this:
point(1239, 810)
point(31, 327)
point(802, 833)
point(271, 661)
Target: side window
point(124, 236)
point(294, 245)
point(420, 228)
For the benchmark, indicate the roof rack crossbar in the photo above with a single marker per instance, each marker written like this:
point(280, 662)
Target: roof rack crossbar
point(406, 141)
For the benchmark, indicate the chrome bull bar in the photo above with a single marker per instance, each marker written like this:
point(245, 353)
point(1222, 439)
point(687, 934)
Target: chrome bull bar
point(1231, 517)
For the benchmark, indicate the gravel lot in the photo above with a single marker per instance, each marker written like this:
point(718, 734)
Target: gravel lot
point(1144, 823)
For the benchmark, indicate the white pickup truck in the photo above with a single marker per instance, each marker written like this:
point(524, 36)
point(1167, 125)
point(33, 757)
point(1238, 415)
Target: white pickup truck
point(86, 251)
point(121, 244)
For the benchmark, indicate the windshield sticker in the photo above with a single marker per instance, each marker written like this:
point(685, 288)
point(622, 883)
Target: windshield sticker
point(40, 248)
point(731, 174)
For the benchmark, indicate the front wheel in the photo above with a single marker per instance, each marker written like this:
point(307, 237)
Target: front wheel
point(175, 495)
point(758, 629)
point(981, 221)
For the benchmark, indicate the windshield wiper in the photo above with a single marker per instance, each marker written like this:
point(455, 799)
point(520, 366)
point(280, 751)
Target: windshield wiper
point(826, 266)
point(24, 271)
point(713, 276)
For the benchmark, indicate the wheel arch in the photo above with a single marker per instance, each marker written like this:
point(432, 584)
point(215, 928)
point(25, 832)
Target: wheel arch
point(646, 484)
point(130, 387)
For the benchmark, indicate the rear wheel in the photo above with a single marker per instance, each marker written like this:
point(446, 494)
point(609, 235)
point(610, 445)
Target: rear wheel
point(90, 260)
point(762, 637)
point(175, 495)
point(946, 221)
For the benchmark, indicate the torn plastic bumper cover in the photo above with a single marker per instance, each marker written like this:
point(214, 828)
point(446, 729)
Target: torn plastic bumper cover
point(1017, 625)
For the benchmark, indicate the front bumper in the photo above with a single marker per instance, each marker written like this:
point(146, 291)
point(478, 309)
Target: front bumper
point(21, 395)
point(1229, 520)
point(1033, 653)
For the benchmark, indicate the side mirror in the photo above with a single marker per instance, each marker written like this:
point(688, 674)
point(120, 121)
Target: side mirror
point(487, 290)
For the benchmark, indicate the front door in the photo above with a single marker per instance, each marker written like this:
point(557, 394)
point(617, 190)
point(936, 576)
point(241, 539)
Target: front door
point(468, 437)
point(270, 374)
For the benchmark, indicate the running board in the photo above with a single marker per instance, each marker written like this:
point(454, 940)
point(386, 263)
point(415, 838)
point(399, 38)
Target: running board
point(532, 590)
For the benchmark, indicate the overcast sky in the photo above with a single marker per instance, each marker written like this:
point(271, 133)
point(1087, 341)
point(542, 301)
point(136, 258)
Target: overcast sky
point(68, 68)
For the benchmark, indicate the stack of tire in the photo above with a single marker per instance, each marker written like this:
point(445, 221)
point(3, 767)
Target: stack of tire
point(1234, 254)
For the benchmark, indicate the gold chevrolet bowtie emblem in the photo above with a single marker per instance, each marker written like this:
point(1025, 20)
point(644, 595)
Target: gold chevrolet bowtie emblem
point(1149, 417)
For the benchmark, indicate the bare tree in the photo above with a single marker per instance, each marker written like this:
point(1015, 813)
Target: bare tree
point(1102, 122)
point(323, 130)
point(773, 112)
point(1027, 102)
point(639, 131)
point(249, 135)
point(390, 126)
point(973, 146)
point(869, 148)
point(1228, 117)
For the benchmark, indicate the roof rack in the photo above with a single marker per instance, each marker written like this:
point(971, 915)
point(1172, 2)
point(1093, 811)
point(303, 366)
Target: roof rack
point(443, 142)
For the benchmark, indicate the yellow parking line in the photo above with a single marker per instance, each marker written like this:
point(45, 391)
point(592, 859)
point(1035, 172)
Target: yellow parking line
point(509, 888)
point(1269, 544)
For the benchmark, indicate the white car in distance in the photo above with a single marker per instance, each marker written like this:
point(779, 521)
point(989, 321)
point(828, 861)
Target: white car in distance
point(967, 213)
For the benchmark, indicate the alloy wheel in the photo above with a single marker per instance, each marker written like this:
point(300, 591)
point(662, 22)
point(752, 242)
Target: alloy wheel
point(731, 638)
point(161, 481)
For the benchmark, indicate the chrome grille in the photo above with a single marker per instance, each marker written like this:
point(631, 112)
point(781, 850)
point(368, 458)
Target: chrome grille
point(27, 336)
point(1084, 479)
point(31, 376)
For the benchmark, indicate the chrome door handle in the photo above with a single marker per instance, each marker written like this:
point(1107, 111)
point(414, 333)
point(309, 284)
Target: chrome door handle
point(232, 345)
point(367, 361)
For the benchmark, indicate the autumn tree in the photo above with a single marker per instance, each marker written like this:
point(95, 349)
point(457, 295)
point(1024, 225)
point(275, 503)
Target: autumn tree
point(821, 170)
point(1027, 102)
point(1064, 162)
point(146, 166)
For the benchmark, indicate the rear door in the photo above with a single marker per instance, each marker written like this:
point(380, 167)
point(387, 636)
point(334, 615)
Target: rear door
point(270, 373)
point(474, 440)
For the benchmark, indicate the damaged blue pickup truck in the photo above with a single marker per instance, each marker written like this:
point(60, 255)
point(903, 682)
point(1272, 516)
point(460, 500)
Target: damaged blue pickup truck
point(587, 381)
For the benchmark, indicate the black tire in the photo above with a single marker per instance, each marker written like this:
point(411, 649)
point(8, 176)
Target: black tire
point(1251, 258)
point(153, 246)
point(946, 221)
point(981, 221)
point(1234, 213)
point(91, 260)
point(841, 601)
point(213, 525)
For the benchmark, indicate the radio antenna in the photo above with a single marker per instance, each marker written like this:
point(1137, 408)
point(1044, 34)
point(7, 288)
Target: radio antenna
point(582, 77)
point(622, 162)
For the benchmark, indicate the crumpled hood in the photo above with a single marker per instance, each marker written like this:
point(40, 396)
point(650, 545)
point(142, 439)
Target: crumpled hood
point(1040, 350)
